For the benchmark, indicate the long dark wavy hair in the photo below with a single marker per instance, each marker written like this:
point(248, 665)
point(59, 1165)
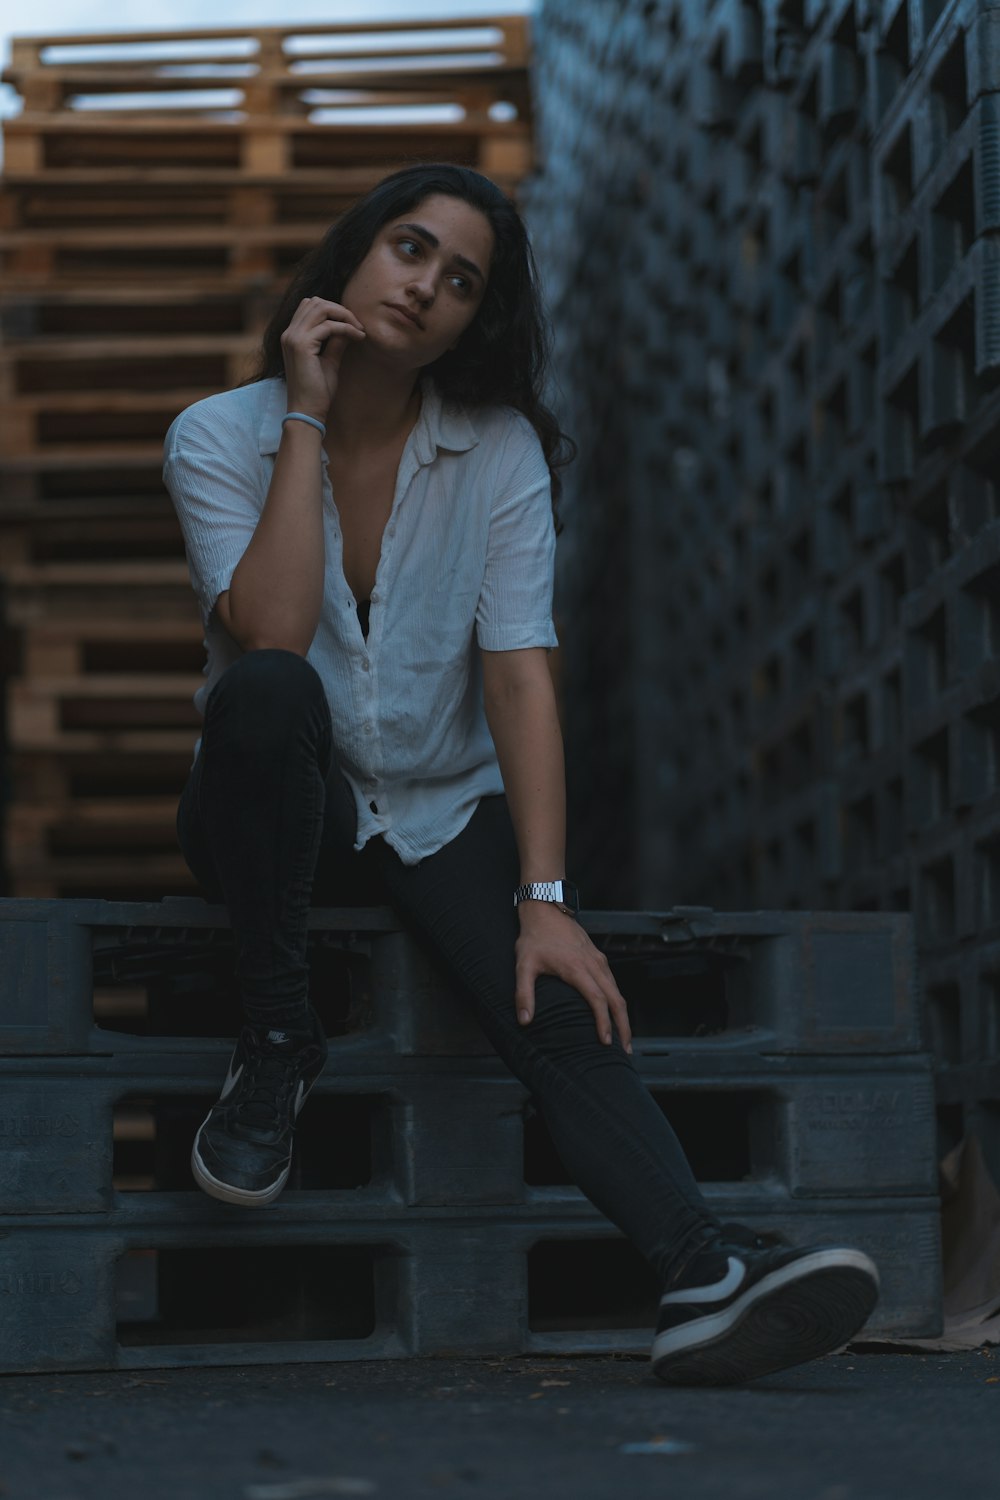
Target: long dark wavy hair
point(502, 357)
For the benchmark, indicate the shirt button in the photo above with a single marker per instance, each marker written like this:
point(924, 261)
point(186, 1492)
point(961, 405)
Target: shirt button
point(366, 666)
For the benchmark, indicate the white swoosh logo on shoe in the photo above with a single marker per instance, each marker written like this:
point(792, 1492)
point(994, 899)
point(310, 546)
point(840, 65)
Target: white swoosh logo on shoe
point(232, 1079)
point(721, 1289)
point(299, 1097)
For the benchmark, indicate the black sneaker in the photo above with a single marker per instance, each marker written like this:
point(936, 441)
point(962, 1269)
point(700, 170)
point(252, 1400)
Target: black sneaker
point(243, 1151)
point(752, 1304)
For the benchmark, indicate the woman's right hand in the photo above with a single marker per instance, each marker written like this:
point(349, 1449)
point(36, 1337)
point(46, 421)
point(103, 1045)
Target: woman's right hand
point(313, 345)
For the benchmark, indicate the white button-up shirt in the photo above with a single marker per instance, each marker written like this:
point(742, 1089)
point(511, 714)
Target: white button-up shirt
point(467, 563)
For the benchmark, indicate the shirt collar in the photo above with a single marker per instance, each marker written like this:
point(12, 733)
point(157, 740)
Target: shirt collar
point(441, 424)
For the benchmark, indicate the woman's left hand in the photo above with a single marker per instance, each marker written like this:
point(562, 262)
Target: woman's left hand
point(553, 943)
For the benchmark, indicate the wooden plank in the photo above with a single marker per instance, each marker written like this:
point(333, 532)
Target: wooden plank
point(117, 527)
point(126, 592)
point(57, 350)
point(139, 236)
point(113, 400)
point(104, 712)
point(347, 180)
point(21, 289)
point(40, 734)
point(45, 424)
point(267, 144)
point(131, 687)
point(95, 456)
point(27, 50)
point(23, 153)
point(62, 775)
point(40, 841)
point(102, 576)
point(149, 123)
point(426, 83)
point(134, 879)
point(70, 647)
point(138, 294)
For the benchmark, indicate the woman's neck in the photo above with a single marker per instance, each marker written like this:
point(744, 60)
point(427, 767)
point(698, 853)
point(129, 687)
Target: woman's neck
point(371, 409)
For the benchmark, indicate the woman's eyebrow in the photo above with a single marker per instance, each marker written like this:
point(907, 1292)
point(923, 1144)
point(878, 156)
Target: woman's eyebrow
point(434, 242)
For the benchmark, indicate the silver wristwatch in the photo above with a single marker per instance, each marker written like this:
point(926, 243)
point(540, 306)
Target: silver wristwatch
point(563, 892)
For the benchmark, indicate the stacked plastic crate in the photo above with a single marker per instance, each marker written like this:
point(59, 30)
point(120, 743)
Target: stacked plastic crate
point(936, 93)
point(157, 190)
point(797, 291)
point(427, 1211)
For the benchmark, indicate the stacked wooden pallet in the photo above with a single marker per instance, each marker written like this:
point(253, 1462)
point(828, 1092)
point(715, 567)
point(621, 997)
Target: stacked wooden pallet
point(157, 190)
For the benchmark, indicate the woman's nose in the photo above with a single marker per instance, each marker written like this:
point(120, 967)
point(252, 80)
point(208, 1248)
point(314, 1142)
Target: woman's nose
point(422, 287)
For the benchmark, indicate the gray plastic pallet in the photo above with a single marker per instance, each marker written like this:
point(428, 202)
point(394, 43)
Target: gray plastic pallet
point(757, 982)
point(455, 1135)
point(83, 1295)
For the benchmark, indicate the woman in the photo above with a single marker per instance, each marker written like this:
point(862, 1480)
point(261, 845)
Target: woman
point(369, 529)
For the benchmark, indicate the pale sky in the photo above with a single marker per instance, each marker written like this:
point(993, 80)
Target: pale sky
point(78, 17)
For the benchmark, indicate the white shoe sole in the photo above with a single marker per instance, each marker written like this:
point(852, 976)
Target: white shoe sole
point(223, 1190)
point(798, 1313)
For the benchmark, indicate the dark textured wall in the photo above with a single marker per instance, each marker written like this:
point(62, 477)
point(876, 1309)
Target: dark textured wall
point(772, 284)
point(770, 237)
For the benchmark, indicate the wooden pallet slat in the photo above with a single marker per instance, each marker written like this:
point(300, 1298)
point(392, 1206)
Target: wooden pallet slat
point(70, 648)
point(103, 711)
point(102, 533)
point(38, 840)
point(60, 776)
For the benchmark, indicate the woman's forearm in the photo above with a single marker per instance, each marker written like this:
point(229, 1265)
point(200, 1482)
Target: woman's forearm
point(521, 709)
point(524, 722)
point(276, 593)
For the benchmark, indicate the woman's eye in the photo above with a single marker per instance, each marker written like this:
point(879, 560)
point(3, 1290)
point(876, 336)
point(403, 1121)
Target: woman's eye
point(465, 286)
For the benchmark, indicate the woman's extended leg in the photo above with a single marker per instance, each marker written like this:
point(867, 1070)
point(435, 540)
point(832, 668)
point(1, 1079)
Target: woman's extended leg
point(613, 1138)
point(735, 1305)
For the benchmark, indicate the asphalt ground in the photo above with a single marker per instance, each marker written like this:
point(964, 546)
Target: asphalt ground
point(853, 1426)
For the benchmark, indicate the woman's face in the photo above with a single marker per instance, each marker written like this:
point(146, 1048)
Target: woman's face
point(434, 262)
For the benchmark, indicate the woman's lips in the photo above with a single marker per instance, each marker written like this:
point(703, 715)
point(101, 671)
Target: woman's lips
point(403, 314)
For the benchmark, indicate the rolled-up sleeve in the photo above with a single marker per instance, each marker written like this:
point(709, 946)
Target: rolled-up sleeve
point(515, 603)
point(211, 478)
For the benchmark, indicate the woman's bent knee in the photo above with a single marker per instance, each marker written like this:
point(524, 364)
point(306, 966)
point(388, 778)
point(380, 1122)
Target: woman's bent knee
point(272, 677)
point(266, 696)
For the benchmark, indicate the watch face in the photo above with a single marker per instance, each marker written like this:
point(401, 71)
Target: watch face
point(571, 896)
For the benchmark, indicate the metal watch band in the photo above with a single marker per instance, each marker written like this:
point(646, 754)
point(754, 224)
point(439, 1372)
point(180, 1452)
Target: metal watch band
point(561, 891)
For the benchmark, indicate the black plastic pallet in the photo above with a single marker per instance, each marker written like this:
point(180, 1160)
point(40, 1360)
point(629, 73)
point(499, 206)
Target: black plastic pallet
point(84, 1295)
point(411, 1132)
point(763, 981)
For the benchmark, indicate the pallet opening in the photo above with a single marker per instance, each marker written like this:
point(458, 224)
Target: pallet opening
point(718, 1130)
point(582, 1284)
point(342, 1143)
point(698, 994)
point(944, 1022)
point(250, 1294)
point(181, 984)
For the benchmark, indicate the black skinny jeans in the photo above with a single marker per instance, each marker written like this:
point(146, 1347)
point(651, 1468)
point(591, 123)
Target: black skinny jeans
point(267, 825)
